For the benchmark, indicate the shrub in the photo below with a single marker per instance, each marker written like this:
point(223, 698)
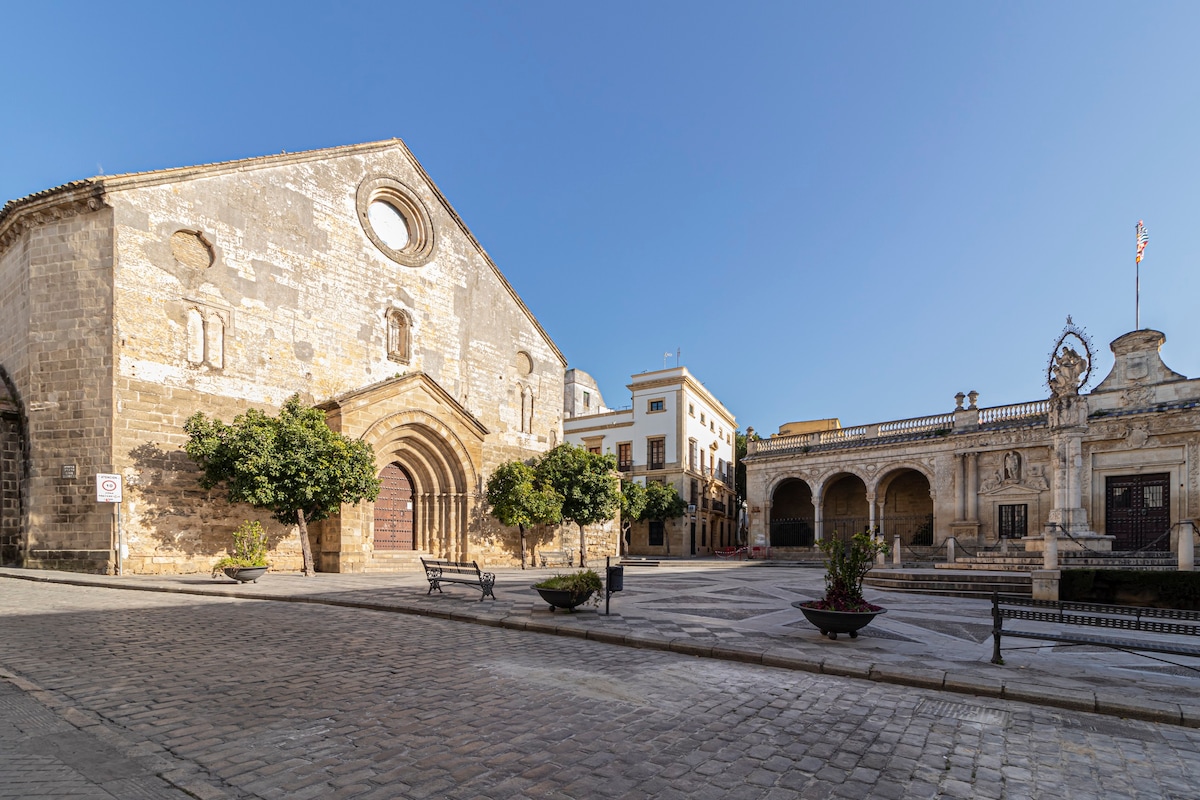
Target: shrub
point(846, 564)
point(249, 548)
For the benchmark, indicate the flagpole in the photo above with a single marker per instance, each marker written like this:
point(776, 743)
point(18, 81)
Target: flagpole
point(1137, 295)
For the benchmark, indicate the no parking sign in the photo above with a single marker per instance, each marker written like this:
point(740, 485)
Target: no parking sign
point(108, 488)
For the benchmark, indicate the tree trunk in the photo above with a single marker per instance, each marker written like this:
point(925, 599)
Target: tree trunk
point(622, 551)
point(582, 548)
point(305, 548)
point(522, 529)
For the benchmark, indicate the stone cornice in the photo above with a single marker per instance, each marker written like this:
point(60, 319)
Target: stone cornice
point(70, 200)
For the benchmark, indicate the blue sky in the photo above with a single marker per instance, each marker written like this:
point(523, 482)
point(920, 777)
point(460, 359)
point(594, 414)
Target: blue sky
point(832, 209)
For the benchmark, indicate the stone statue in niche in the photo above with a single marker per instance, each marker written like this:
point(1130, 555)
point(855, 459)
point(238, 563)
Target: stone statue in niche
point(1012, 466)
point(1068, 368)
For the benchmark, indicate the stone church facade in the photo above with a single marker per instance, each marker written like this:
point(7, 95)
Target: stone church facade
point(129, 302)
point(1116, 469)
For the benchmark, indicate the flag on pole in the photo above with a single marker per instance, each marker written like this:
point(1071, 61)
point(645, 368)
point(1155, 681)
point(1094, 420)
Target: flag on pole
point(1142, 239)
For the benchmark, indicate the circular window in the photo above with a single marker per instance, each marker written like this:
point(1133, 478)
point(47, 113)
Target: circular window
point(395, 221)
point(389, 224)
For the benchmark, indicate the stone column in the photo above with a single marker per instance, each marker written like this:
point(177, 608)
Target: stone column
point(960, 483)
point(817, 523)
point(973, 487)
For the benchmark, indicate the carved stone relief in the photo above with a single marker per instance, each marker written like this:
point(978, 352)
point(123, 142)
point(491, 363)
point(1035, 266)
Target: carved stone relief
point(1136, 437)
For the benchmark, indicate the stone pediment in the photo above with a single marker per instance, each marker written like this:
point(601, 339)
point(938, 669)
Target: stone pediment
point(1009, 490)
point(1138, 363)
point(415, 391)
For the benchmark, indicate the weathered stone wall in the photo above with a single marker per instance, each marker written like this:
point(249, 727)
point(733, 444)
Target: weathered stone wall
point(14, 364)
point(59, 344)
point(282, 291)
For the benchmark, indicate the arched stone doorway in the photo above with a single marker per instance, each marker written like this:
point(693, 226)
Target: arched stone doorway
point(792, 515)
point(844, 510)
point(440, 480)
point(394, 512)
point(907, 509)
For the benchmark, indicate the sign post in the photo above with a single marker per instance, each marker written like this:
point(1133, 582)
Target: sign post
point(108, 490)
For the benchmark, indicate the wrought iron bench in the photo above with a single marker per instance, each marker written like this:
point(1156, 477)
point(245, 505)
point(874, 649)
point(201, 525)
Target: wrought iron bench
point(438, 572)
point(556, 558)
point(1172, 621)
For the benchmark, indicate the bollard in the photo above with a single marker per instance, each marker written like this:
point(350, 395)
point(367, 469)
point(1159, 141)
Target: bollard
point(1050, 553)
point(1187, 547)
point(896, 560)
point(950, 556)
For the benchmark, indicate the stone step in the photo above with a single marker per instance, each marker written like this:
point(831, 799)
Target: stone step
point(385, 562)
point(952, 584)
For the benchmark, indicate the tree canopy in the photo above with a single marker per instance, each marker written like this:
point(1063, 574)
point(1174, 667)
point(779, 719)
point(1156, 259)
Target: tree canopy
point(663, 502)
point(517, 497)
point(588, 484)
point(293, 465)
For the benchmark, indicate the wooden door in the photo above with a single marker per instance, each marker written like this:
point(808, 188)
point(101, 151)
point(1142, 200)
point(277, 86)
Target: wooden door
point(1138, 511)
point(394, 510)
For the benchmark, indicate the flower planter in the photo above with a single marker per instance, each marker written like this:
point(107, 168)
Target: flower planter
point(831, 623)
point(244, 574)
point(563, 598)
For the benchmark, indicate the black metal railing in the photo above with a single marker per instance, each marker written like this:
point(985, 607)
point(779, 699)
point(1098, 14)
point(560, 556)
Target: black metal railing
point(624, 466)
point(843, 527)
point(791, 533)
point(915, 530)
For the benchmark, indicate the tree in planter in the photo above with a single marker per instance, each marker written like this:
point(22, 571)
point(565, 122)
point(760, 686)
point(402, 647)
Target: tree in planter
point(662, 503)
point(293, 465)
point(518, 498)
point(588, 484)
point(633, 505)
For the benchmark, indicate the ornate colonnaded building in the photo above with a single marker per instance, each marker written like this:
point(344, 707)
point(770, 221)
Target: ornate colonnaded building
point(129, 302)
point(1116, 469)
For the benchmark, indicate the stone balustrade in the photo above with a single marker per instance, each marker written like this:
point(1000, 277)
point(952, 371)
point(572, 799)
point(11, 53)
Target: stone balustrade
point(1020, 413)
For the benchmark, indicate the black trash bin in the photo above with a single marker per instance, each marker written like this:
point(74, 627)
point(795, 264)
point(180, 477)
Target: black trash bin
point(616, 579)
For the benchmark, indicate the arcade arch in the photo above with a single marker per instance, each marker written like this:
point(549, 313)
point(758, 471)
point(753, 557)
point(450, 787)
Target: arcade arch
point(792, 514)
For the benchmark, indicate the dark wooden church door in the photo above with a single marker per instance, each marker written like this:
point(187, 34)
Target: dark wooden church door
point(394, 510)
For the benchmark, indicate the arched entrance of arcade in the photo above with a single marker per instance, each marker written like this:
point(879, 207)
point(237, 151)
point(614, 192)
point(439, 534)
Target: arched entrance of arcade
point(793, 516)
point(844, 507)
point(906, 508)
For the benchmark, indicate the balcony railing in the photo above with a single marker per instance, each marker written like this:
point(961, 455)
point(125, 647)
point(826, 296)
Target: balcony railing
point(1031, 413)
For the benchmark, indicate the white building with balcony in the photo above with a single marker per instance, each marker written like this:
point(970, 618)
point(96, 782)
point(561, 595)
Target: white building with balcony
point(676, 432)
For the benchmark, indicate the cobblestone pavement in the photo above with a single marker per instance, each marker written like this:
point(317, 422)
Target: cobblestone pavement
point(130, 694)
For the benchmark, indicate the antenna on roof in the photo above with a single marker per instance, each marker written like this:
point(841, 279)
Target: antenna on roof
point(665, 357)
